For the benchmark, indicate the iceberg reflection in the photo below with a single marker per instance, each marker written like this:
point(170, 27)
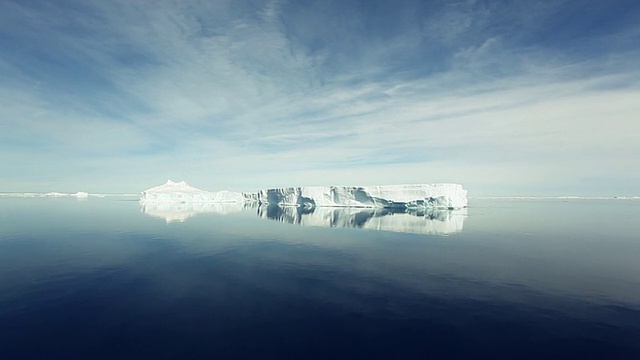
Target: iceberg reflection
point(429, 221)
point(179, 212)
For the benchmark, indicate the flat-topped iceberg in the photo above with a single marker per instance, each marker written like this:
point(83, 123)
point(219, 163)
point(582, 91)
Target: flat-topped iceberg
point(448, 196)
point(181, 192)
point(417, 196)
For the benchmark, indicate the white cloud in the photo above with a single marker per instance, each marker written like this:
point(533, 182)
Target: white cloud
point(227, 98)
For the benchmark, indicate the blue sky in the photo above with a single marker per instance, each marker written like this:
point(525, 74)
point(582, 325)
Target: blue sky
point(504, 97)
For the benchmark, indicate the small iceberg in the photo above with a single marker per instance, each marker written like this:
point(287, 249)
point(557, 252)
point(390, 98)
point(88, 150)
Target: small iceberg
point(181, 192)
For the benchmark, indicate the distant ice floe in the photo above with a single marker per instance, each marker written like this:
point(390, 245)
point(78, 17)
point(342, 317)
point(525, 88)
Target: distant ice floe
point(429, 222)
point(79, 195)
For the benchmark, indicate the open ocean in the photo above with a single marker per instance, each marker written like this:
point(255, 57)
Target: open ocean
point(103, 278)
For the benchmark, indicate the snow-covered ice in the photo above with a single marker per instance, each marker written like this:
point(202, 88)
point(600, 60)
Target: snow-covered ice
point(449, 196)
point(181, 192)
point(417, 196)
point(421, 208)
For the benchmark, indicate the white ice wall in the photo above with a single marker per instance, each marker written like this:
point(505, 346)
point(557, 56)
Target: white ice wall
point(418, 195)
point(450, 196)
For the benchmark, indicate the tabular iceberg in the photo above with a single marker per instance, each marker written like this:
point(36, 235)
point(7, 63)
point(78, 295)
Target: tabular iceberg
point(181, 192)
point(449, 196)
point(419, 196)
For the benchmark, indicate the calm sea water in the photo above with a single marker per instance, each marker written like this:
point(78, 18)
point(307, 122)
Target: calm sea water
point(105, 279)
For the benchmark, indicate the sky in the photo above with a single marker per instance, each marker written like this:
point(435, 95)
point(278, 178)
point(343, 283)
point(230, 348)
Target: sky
point(504, 97)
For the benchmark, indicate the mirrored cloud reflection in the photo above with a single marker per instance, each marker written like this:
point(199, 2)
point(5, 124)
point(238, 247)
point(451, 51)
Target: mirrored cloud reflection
point(429, 222)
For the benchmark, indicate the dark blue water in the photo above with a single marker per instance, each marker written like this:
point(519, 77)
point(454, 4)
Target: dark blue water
point(507, 279)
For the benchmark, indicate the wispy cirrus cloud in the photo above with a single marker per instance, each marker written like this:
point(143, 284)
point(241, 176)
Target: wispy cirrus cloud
point(505, 98)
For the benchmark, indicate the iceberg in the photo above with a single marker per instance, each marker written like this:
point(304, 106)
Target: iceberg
point(81, 195)
point(416, 196)
point(181, 192)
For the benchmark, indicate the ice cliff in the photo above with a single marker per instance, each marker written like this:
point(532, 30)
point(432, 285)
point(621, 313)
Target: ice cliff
point(448, 196)
point(443, 196)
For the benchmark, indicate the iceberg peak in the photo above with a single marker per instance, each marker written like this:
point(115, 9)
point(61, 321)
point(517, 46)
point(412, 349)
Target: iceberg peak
point(177, 183)
point(181, 192)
